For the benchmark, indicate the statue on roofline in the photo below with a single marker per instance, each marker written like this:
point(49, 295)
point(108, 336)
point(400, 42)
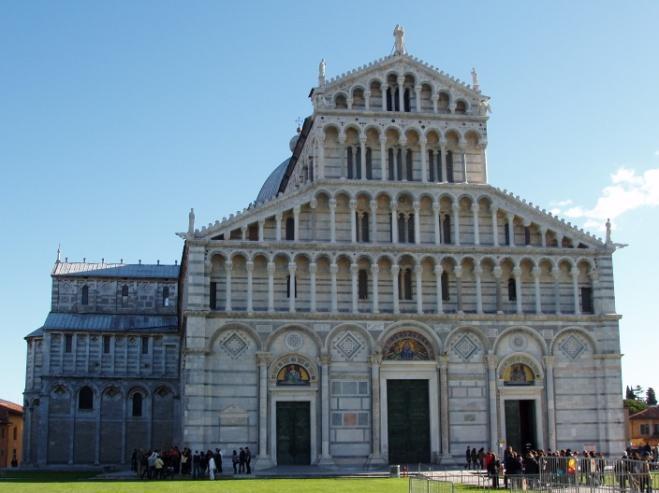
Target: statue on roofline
point(399, 44)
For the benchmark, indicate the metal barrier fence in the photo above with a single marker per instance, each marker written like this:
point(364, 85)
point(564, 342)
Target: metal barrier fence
point(565, 474)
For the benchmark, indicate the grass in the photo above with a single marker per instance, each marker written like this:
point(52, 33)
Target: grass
point(58, 483)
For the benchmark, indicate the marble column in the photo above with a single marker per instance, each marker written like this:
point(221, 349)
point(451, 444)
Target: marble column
point(439, 270)
point(367, 100)
point(353, 220)
point(551, 408)
point(296, 223)
point(597, 302)
point(401, 92)
point(343, 158)
point(557, 292)
point(354, 272)
point(333, 270)
point(332, 208)
point(394, 223)
point(511, 229)
point(292, 269)
point(443, 399)
point(417, 93)
point(325, 457)
point(443, 151)
point(321, 157)
point(543, 237)
point(492, 395)
point(417, 222)
point(312, 286)
point(418, 274)
point(383, 93)
point(575, 290)
point(458, 281)
point(538, 295)
point(383, 157)
point(243, 233)
point(362, 161)
point(424, 160)
point(495, 227)
point(376, 454)
point(250, 294)
point(435, 212)
point(271, 286)
point(263, 360)
point(278, 226)
point(375, 271)
point(475, 208)
point(262, 230)
point(228, 267)
point(395, 270)
point(498, 274)
point(374, 221)
point(456, 223)
point(463, 155)
point(517, 274)
point(435, 102)
point(478, 270)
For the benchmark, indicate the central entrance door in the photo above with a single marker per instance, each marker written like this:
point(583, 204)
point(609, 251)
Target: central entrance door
point(520, 424)
point(293, 433)
point(408, 419)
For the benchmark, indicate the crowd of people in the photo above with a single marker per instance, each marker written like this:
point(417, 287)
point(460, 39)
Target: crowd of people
point(165, 464)
point(632, 470)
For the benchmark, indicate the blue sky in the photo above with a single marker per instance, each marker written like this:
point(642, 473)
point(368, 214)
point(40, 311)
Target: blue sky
point(117, 117)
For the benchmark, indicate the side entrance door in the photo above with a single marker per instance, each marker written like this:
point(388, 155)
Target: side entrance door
point(408, 417)
point(293, 433)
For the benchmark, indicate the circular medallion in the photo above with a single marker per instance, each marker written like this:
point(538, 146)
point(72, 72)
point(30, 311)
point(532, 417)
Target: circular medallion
point(518, 342)
point(294, 341)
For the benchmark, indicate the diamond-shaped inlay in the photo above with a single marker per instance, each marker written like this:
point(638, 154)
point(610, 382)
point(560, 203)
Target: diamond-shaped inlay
point(572, 347)
point(465, 347)
point(234, 345)
point(348, 345)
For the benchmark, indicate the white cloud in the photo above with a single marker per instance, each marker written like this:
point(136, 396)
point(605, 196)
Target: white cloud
point(627, 191)
point(656, 153)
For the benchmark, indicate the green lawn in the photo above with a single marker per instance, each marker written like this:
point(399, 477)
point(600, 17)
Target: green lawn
point(339, 485)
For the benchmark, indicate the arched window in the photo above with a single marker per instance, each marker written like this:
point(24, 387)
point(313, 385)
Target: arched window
point(449, 166)
point(397, 99)
point(446, 230)
point(406, 100)
point(527, 235)
point(351, 164)
point(358, 163)
point(445, 292)
point(288, 286)
point(86, 399)
point(440, 176)
point(399, 164)
point(512, 290)
point(85, 295)
point(362, 226)
point(369, 164)
point(363, 284)
point(409, 169)
point(290, 229)
point(460, 107)
point(165, 296)
point(402, 228)
point(137, 405)
point(213, 296)
point(390, 101)
point(405, 284)
point(410, 229)
point(431, 168)
point(506, 233)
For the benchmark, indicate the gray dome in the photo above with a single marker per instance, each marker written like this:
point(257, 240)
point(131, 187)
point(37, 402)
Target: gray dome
point(272, 183)
point(293, 141)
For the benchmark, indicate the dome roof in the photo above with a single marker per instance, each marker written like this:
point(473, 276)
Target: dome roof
point(272, 183)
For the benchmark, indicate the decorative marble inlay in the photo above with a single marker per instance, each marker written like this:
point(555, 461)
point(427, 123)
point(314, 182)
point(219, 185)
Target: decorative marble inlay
point(465, 347)
point(348, 345)
point(294, 341)
point(572, 347)
point(234, 345)
point(518, 342)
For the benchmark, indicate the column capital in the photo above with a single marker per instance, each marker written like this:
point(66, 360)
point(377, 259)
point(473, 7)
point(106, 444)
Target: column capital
point(249, 265)
point(439, 270)
point(535, 272)
point(375, 359)
point(422, 140)
point(418, 269)
point(400, 79)
point(383, 139)
point(549, 361)
point(517, 272)
point(325, 359)
point(342, 138)
point(332, 203)
point(362, 139)
point(492, 360)
point(313, 267)
point(271, 267)
point(296, 209)
point(455, 206)
point(393, 206)
point(478, 270)
point(313, 203)
point(292, 267)
point(373, 204)
point(278, 216)
point(457, 272)
point(395, 269)
point(416, 205)
point(594, 276)
point(436, 207)
point(442, 361)
point(354, 268)
point(510, 216)
point(375, 269)
point(334, 268)
point(352, 203)
point(228, 265)
point(263, 358)
point(261, 222)
point(475, 207)
point(494, 209)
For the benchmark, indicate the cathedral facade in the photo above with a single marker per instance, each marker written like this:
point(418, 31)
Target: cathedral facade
point(379, 302)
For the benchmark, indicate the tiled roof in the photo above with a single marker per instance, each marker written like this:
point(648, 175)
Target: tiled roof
point(271, 185)
point(143, 271)
point(94, 322)
point(652, 412)
point(10, 406)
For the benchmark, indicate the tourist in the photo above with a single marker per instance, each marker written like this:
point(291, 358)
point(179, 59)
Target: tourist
point(218, 459)
point(211, 467)
point(196, 465)
point(234, 460)
point(248, 460)
point(158, 465)
point(493, 469)
point(468, 457)
point(241, 461)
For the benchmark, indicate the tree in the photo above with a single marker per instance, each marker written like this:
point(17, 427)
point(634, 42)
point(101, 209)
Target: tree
point(629, 394)
point(634, 405)
point(650, 397)
point(638, 392)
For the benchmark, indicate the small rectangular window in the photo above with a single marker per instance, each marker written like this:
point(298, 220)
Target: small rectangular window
point(145, 344)
point(68, 343)
point(363, 284)
point(165, 296)
point(587, 300)
point(106, 344)
point(213, 296)
point(645, 429)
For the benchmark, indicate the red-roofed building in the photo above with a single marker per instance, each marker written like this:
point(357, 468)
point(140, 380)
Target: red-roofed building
point(645, 427)
point(11, 434)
